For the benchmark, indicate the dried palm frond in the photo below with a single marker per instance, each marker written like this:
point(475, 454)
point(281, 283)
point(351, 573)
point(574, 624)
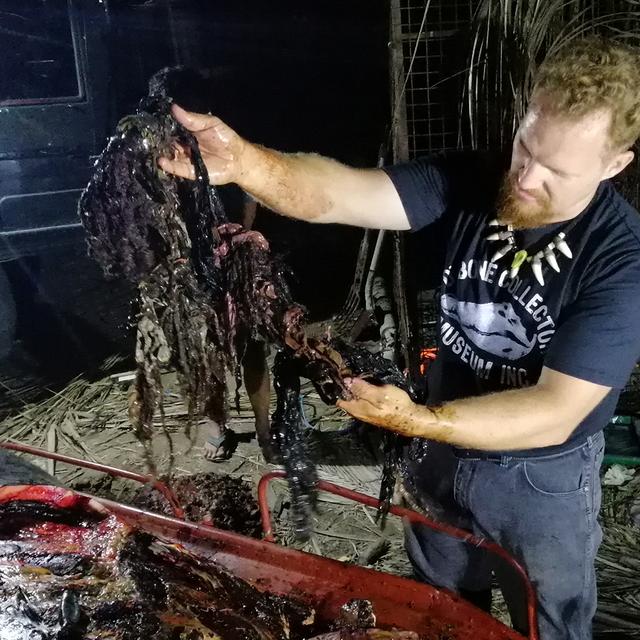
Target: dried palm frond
point(510, 38)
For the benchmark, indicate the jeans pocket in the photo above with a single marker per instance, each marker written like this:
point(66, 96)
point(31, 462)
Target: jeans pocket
point(561, 476)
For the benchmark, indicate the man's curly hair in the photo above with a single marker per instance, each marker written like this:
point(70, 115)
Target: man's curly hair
point(593, 74)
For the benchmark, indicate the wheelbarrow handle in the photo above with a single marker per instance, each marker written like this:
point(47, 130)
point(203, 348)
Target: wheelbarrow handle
point(412, 516)
point(166, 491)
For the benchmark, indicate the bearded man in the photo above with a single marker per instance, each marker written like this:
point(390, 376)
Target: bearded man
point(540, 301)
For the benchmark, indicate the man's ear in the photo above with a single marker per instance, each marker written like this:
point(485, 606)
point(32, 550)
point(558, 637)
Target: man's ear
point(618, 163)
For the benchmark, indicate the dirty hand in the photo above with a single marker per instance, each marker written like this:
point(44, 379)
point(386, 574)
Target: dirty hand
point(221, 148)
point(387, 406)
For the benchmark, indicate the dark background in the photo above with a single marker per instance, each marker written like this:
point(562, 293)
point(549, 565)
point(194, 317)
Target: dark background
point(296, 76)
point(302, 77)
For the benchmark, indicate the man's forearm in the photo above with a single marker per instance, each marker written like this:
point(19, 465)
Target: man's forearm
point(291, 184)
point(311, 187)
point(508, 420)
point(530, 418)
point(304, 186)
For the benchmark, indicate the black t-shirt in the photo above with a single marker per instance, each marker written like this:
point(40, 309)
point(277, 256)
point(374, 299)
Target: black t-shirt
point(496, 332)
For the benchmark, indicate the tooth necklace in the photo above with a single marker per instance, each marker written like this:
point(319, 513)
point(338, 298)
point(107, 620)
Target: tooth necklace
point(521, 255)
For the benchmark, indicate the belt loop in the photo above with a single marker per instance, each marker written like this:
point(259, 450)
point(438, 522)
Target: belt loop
point(590, 441)
point(505, 460)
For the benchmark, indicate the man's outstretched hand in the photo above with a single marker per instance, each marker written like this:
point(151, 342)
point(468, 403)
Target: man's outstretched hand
point(221, 148)
point(386, 406)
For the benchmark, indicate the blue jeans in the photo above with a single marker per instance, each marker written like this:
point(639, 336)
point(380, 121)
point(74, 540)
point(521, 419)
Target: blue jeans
point(543, 510)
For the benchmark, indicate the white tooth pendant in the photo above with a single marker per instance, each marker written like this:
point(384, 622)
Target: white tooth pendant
point(502, 251)
point(562, 246)
point(518, 260)
point(494, 223)
point(536, 267)
point(500, 235)
point(550, 257)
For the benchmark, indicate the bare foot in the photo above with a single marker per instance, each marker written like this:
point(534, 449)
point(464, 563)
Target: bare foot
point(218, 445)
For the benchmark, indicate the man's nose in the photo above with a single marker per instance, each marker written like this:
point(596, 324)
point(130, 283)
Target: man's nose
point(530, 176)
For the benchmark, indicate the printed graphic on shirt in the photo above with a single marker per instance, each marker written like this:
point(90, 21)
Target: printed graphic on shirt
point(494, 327)
point(492, 336)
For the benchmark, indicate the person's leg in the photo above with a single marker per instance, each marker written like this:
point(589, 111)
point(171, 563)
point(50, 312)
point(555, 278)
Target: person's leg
point(544, 511)
point(215, 441)
point(449, 563)
point(219, 441)
point(256, 380)
point(249, 210)
point(439, 559)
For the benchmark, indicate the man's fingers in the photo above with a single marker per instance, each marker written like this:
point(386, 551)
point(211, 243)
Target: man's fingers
point(362, 410)
point(179, 164)
point(357, 385)
point(346, 405)
point(352, 407)
point(358, 406)
point(361, 389)
point(180, 151)
point(180, 168)
point(193, 121)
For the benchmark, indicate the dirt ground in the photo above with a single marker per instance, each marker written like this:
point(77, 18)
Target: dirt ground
point(88, 420)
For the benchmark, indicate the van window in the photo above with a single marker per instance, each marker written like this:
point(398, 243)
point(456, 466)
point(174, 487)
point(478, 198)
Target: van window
point(38, 60)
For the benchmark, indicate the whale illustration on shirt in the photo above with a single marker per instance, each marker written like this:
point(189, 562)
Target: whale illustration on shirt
point(494, 327)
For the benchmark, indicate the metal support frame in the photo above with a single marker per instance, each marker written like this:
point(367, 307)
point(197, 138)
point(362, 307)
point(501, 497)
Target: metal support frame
point(415, 518)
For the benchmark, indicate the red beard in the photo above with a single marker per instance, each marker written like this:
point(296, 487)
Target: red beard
point(519, 213)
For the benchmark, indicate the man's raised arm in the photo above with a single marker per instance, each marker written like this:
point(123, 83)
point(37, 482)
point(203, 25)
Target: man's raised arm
point(304, 186)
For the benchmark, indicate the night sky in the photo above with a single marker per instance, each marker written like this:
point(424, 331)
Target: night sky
point(302, 75)
point(293, 75)
point(296, 76)
point(317, 80)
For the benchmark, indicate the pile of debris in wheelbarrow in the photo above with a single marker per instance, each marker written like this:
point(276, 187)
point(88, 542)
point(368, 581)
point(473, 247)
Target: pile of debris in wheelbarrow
point(75, 566)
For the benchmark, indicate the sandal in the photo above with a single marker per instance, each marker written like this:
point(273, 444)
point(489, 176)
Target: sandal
point(220, 448)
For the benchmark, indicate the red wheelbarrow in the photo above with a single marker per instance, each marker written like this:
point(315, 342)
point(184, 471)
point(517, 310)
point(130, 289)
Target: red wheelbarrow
point(322, 583)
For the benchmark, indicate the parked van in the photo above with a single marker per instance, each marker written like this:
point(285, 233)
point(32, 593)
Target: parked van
point(69, 69)
point(283, 73)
